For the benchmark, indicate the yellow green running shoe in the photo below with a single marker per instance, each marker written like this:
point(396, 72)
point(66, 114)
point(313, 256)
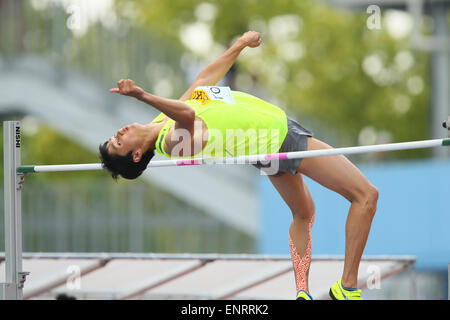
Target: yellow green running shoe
point(303, 295)
point(339, 292)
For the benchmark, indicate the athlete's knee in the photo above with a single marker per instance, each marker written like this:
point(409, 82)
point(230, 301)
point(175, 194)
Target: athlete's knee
point(306, 211)
point(372, 197)
point(368, 197)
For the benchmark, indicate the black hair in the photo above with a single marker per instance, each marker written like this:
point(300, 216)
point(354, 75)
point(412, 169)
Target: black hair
point(123, 165)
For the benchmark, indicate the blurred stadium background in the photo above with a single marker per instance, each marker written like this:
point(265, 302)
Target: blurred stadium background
point(331, 64)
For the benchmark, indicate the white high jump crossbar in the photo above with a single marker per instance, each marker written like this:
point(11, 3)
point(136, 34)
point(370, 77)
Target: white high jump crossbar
point(14, 174)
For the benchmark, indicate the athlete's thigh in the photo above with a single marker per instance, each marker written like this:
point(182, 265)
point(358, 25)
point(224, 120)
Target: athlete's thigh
point(295, 193)
point(336, 173)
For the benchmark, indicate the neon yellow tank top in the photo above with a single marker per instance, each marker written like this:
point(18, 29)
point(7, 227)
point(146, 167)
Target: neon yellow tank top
point(247, 126)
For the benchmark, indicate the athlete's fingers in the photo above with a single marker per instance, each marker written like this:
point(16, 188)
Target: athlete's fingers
point(114, 90)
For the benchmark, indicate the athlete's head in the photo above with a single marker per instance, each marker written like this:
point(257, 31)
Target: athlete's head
point(126, 153)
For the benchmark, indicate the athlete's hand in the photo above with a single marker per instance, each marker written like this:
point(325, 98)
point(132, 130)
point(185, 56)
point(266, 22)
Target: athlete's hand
point(251, 39)
point(128, 88)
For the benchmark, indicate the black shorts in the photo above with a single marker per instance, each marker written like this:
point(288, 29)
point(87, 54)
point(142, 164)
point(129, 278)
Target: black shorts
point(296, 140)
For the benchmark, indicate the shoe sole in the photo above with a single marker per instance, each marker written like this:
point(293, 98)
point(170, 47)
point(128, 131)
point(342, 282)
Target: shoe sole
point(332, 295)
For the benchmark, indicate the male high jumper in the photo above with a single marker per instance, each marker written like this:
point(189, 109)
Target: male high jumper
point(199, 124)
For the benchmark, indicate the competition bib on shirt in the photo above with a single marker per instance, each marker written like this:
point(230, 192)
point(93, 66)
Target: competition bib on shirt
point(208, 93)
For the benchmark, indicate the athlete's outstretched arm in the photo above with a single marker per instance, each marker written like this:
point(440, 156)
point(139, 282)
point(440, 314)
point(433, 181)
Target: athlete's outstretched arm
point(216, 70)
point(174, 109)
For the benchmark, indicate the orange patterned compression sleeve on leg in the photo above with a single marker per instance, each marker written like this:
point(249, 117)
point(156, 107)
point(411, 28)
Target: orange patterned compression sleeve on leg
point(301, 264)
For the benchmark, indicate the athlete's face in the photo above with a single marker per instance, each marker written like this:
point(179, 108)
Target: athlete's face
point(125, 140)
